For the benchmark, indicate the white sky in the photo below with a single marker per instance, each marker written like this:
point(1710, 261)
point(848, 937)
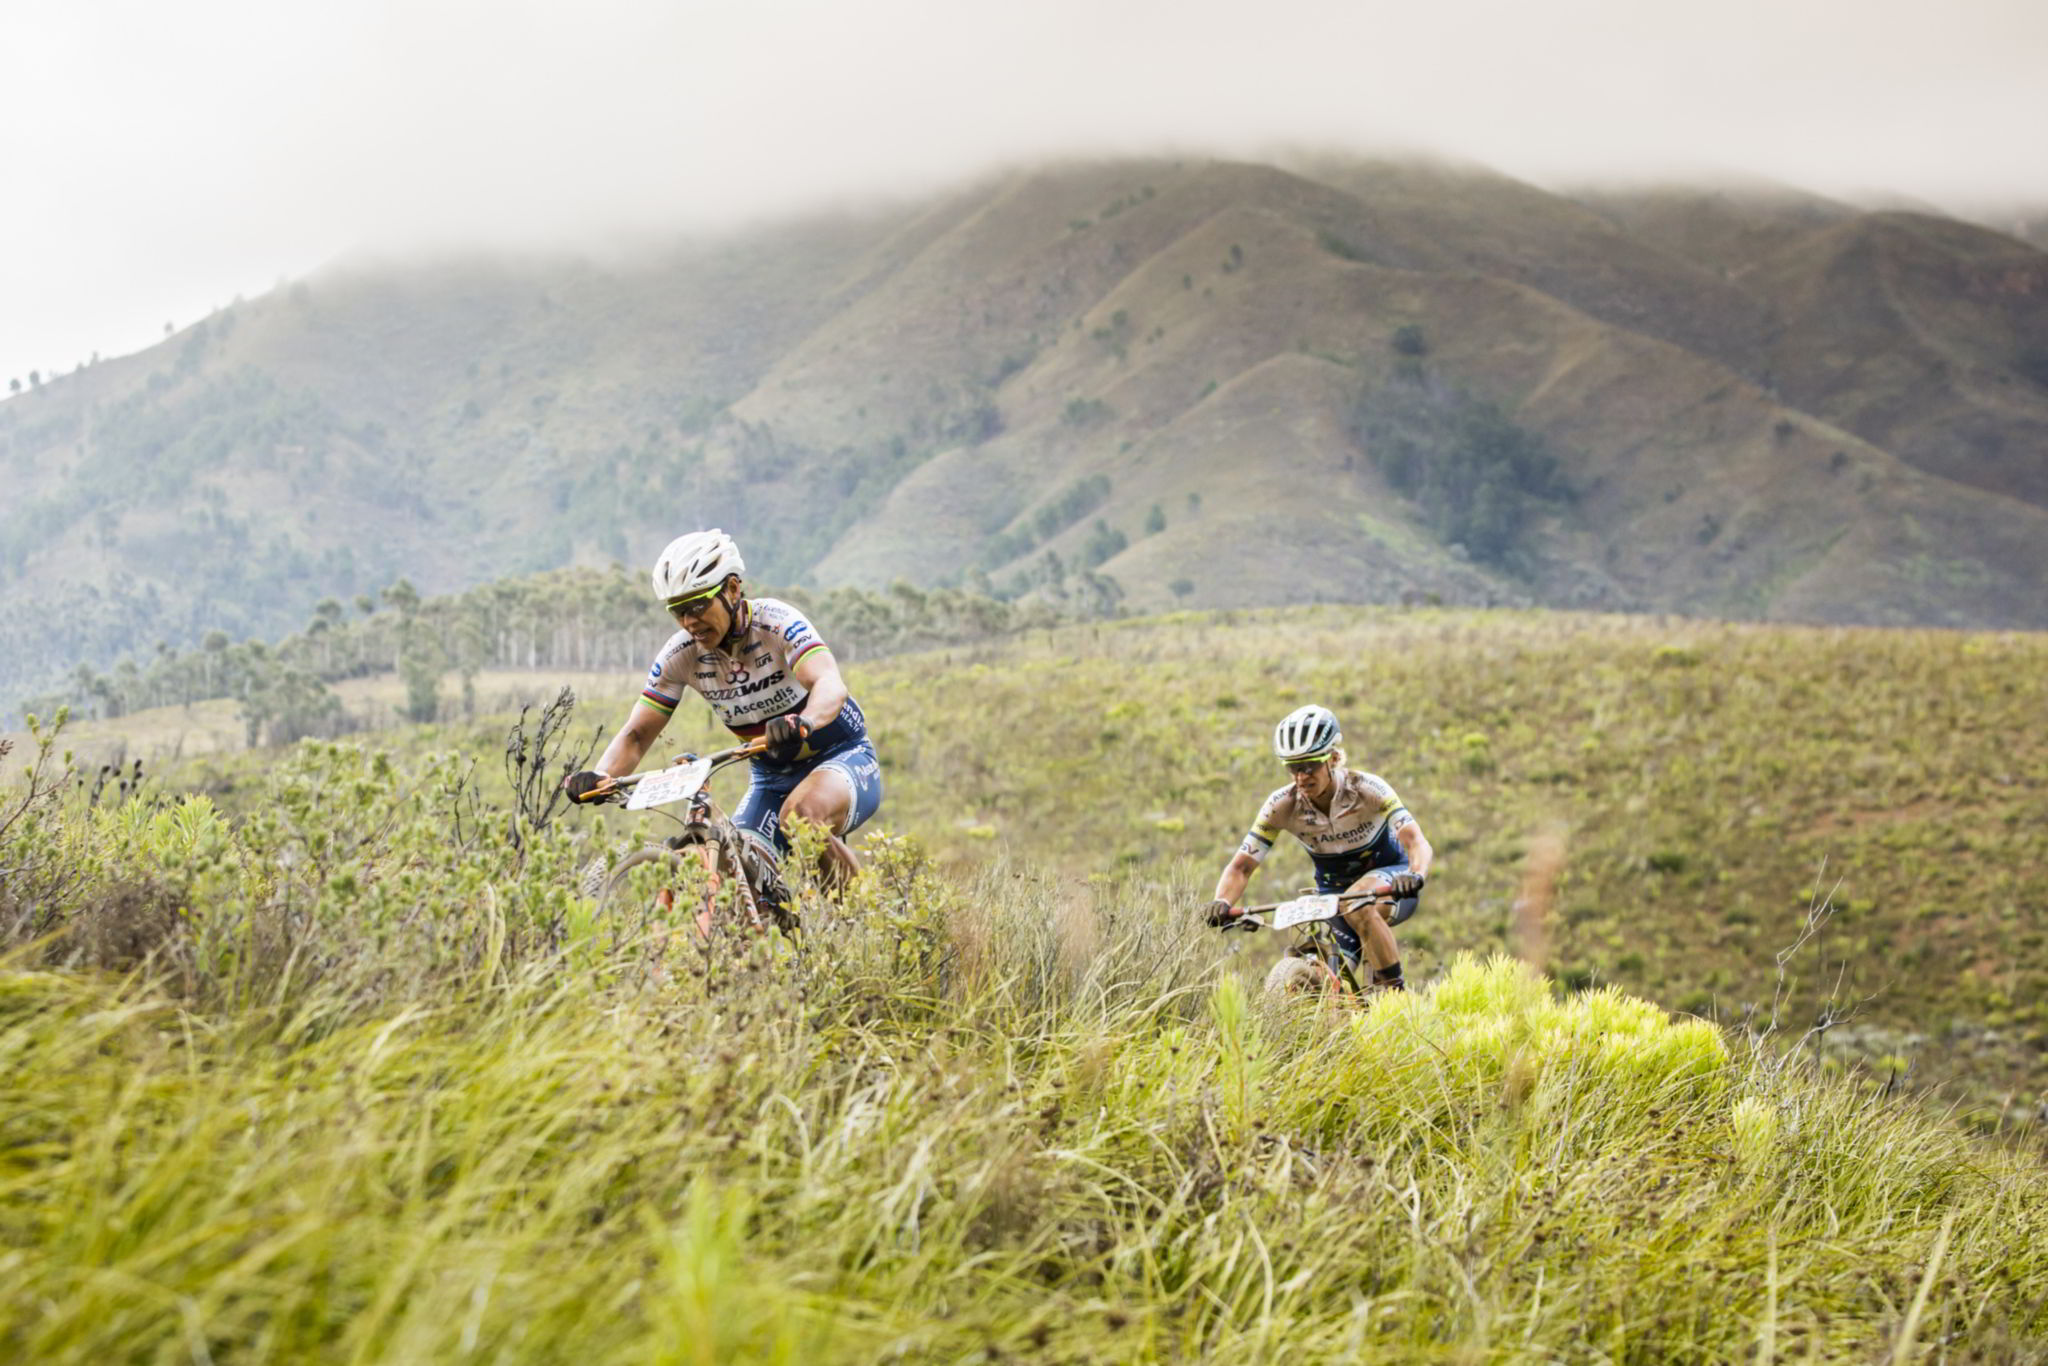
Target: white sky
point(157, 159)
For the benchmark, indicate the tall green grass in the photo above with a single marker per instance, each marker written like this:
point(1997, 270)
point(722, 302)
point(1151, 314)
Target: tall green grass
point(1707, 783)
point(359, 1084)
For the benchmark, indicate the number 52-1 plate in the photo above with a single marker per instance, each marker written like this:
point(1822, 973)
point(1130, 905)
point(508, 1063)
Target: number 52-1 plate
point(669, 785)
point(1301, 910)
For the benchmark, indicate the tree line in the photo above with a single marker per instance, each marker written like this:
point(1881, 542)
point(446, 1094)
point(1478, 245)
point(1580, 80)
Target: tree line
point(581, 619)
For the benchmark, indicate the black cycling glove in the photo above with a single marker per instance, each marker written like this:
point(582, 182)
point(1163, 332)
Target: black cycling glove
point(785, 736)
point(579, 786)
point(1218, 914)
point(1404, 885)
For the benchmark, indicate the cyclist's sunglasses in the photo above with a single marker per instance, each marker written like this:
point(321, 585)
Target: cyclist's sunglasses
point(1306, 765)
point(684, 609)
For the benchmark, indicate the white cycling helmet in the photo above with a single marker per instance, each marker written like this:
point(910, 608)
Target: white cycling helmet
point(1307, 733)
point(694, 562)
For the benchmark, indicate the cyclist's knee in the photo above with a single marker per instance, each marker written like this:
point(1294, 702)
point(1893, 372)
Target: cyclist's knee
point(815, 808)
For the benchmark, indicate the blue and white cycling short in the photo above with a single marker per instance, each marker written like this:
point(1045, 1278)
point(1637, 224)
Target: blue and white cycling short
point(1348, 942)
point(760, 811)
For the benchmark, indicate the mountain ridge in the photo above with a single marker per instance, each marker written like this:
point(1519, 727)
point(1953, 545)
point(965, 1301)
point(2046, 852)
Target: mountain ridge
point(1760, 403)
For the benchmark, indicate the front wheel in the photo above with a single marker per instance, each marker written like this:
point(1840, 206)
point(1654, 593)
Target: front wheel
point(707, 848)
point(1295, 975)
point(609, 886)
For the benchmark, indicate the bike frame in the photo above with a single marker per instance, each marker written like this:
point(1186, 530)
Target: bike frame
point(707, 829)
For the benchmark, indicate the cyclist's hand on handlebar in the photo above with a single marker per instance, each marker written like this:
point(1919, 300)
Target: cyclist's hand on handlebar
point(1403, 885)
point(585, 786)
point(1218, 914)
point(786, 735)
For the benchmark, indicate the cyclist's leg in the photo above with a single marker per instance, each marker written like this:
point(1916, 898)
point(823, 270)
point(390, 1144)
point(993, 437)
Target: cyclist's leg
point(1369, 923)
point(838, 796)
point(759, 820)
point(761, 809)
point(1348, 942)
point(1329, 879)
point(825, 799)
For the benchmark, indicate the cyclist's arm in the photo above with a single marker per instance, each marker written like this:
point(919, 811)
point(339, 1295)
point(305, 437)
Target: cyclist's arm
point(1416, 846)
point(817, 673)
point(629, 746)
point(1258, 841)
point(1237, 875)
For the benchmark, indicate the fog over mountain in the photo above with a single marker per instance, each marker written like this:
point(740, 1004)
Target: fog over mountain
point(164, 160)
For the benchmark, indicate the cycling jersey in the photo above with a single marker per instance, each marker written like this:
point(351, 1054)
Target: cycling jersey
point(1358, 834)
point(754, 680)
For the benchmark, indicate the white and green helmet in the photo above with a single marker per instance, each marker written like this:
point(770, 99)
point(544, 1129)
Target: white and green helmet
point(1307, 733)
point(695, 562)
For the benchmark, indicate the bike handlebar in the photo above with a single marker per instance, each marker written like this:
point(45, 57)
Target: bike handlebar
point(1247, 917)
point(747, 750)
point(615, 789)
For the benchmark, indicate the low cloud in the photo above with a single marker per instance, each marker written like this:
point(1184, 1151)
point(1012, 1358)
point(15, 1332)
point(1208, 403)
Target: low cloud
point(170, 157)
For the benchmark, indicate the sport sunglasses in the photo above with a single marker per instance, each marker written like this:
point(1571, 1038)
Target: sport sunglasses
point(682, 609)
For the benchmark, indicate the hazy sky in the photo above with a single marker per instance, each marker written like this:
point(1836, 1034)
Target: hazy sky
point(161, 158)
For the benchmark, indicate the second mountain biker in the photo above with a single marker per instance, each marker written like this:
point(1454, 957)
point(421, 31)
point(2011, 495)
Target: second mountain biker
point(1359, 836)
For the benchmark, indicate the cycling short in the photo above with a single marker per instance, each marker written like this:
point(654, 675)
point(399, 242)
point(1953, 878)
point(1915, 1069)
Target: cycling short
point(760, 811)
point(1348, 942)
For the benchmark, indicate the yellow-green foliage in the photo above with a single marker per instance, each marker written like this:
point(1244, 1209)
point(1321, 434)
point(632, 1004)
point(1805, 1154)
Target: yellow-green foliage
point(1501, 1016)
point(1756, 1131)
point(391, 1093)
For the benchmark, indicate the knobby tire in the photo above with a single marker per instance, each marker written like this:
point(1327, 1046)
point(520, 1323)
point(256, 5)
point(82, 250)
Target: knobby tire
point(750, 904)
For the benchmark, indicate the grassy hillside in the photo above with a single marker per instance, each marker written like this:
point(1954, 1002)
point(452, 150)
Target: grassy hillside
point(389, 1092)
point(1959, 394)
point(1710, 785)
point(1760, 406)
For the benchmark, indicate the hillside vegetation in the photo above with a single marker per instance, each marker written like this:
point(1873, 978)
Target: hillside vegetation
point(1205, 384)
point(1710, 784)
point(386, 1090)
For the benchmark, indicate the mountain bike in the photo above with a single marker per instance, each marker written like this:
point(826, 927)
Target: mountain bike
point(741, 883)
point(1313, 962)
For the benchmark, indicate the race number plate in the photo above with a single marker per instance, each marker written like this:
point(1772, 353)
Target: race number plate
point(1303, 909)
point(669, 785)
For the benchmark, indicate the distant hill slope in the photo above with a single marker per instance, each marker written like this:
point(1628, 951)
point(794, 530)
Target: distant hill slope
point(1198, 381)
point(1954, 390)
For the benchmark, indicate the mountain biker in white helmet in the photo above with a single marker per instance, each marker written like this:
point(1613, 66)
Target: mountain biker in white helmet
point(765, 672)
point(1359, 836)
